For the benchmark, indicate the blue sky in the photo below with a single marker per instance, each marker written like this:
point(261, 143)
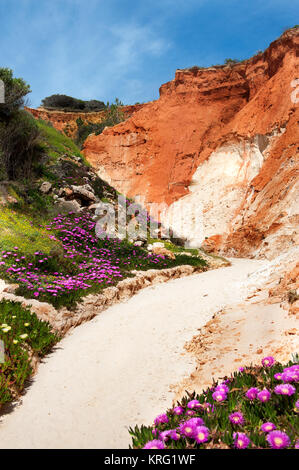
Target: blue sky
point(103, 49)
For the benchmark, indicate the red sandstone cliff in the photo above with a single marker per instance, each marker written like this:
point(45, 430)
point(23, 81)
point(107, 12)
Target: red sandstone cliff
point(66, 121)
point(224, 137)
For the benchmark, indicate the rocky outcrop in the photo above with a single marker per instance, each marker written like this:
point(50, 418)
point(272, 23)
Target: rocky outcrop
point(66, 121)
point(222, 139)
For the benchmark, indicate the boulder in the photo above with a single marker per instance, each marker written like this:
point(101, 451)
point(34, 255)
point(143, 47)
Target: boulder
point(85, 193)
point(45, 187)
point(68, 206)
point(163, 251)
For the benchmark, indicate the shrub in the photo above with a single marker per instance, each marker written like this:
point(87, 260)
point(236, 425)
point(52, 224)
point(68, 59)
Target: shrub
point(68, 103)
point(15, 91)
point(231, 61)
point(114, 115)
point(20, 145)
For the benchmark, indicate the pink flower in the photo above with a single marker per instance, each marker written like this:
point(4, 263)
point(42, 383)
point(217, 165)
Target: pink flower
point(236, 418)
point(264, 395)
point(267, 427)
point(241, 440)
point(268, 361)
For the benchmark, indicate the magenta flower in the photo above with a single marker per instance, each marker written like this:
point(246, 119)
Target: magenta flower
point(222, 388)
point(297, 444)
point(164, 435)
point(190, 413)
point(252, 393)
point(187, 428)
point(161, 419)
point(201, 434)
point(193, 404)
point(196, 421)
point(154, 444)
point(241, 440)
point(174, 435)
point(208, 407)
point(278, 439)
point(278, 376)
point(268, 427)
point(285, 389)
point(296, 409)
point(291, 374)
point(268, 361)
point(264, 395)
point(219, 395)
point(178, 410)
point(236, 418)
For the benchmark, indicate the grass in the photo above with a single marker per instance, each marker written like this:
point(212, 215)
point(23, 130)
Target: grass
point(23, 334)
point(18, 230)
point(57, 144)
point(174, 248)
point(281, 410)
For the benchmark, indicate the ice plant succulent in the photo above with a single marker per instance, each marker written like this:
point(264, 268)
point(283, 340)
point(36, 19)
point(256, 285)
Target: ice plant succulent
point(178, 410)
point(193, 404)
point(154, 444)
point(257, 413)
point(187, 428)
point(285, 389)
point(264, 395)
point(268, 361)
point(219, 395)
point(267, 427)
point(201, 434)
point(241, 441)
point(252, 393)
point(278, 439)
point(236, 418)
point(161, 419)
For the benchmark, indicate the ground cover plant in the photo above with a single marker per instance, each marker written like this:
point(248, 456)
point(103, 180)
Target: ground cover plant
point(57, 144)
point(257, 407)
point(23, 335)
point(80, 263)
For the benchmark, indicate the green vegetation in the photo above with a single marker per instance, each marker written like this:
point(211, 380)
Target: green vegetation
point(56, 144)
point(113, 116)
point(15, 91)
point(239, 413)
point(232, 61)
point(18, 230)
point(68, 103)
point(23, 334)
point(66, 272)
point(20, 145)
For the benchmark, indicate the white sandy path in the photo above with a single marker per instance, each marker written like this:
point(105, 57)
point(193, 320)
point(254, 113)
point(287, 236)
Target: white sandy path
point(116, 370)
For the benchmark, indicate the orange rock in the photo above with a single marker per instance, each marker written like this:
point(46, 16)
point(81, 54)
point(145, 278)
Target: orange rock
point(232, 128)
point(66, 121)
point(163, 251)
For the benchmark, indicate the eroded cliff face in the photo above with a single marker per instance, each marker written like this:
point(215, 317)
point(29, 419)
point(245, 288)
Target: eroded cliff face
point(66, 121)
point(224, 138)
